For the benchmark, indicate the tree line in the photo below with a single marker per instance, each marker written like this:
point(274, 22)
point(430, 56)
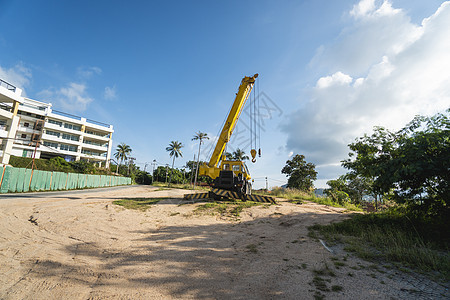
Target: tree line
point(410, 167)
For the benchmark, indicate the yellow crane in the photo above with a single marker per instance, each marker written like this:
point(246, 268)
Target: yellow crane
point(228, 174)
point(231, 177)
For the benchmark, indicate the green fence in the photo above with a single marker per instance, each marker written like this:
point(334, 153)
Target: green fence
point(25, 180)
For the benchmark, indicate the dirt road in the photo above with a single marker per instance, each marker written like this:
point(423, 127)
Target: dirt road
point(81, 246)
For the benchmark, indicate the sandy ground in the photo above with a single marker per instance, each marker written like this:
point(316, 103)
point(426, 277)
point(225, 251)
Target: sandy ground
point(81, 246)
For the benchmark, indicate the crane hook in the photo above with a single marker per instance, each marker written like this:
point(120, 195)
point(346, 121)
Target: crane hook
point(253, 153)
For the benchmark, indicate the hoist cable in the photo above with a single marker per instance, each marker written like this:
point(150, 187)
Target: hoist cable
point(251, 123)
point(259, 120)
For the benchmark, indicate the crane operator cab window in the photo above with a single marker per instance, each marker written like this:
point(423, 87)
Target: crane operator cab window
point(226, 167)
point(236, 168)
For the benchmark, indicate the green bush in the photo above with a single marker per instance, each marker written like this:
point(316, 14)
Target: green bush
point(58, 164)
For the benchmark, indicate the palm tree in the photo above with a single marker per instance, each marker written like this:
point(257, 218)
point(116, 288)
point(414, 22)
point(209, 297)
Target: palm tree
point(199, 136)
point(122, 153)
point(174, 150)
point(238, 155)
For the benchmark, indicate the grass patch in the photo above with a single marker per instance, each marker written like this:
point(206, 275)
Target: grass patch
point(226, 208)
point(393, 237)
point(183, 186)
point(338, 264)
point(336, 288)
point(328, 201)
point(320, 284)
point(290, 194)
point(298, 197)
point(137, 203)
point(252, 248)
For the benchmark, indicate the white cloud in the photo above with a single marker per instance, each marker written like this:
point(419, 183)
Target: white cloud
point(19, 76)
point(73, 97)
point(88, 72)
point(407, 74)
point(110, 93)
point(363, 8)
point(337, 78)
point(368, 9)
point(376, 31)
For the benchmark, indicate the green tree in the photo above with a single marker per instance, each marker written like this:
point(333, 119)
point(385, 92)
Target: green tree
point(237, 155)
point(355, 187)
point(301, 173)
point(174, 150)
point(122, 153)
point(412, 163)
point(143, 177)
point(199, 136)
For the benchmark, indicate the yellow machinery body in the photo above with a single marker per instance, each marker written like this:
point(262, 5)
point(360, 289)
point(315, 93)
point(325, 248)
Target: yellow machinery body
point(231, 177)
point(218, 162)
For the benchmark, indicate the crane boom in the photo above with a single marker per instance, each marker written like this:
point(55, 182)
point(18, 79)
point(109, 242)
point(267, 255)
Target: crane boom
point(230, 175)
point(241, 97)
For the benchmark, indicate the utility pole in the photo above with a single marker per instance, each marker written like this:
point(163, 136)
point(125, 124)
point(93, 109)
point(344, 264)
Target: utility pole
point(153, 171)
point(130, 162)
point(166, 171)
point(192, 169)
point(267, 185)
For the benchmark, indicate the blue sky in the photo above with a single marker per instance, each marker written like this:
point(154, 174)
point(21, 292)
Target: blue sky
point(161, 71)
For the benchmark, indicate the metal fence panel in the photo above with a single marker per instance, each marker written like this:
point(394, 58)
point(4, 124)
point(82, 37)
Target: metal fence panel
point(27, 180)
point(24, 180)
point(5, 182)
point(63, 181)
point(48, 181)
point(56, 177)
point(20, 179)
point(13, 178)
point(1, 177)
point(82, 181)
point(36, 177)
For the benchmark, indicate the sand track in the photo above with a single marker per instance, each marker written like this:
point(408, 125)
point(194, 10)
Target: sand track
point(80, 246)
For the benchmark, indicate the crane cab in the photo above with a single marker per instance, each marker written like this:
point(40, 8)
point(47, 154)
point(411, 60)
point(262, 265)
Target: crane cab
point(238, 167)
point(233, 176)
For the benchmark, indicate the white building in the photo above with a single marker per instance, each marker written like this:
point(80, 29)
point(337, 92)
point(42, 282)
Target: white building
point(29, 127)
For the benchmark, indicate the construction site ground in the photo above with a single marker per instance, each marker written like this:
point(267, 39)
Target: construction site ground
point(78, 245)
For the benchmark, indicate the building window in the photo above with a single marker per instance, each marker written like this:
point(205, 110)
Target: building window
point(71, 126)
point(70, 137)
point(26, 124)
point(24, 136)
point(54, 133)
point(68, 147)
point(24, 153)
point(55, 122)
point(51, 145)
point(97, 133)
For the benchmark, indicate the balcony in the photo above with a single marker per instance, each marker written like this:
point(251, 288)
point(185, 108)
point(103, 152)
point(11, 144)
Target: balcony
point(97, 137)
point(3, 131)
point(94, 147)
point(9, 93)
point(22, 128)
point(8, 86)
point(60, 128)
point(93, 155)
point(59, 139)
